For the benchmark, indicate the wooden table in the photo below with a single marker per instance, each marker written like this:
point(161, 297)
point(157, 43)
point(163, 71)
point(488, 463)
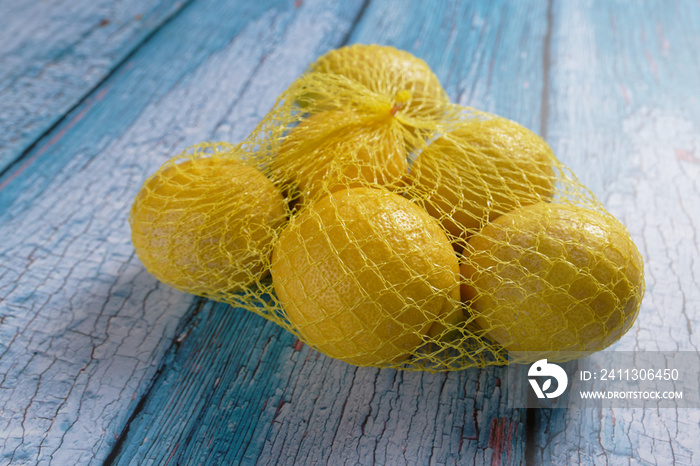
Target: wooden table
point(101, 363)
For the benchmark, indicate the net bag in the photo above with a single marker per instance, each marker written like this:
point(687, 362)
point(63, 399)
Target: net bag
point(385, 226)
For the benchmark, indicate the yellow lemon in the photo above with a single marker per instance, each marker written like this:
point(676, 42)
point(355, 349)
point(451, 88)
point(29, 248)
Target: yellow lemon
point(336, 149)
point(205, 224)
point(551, 277)
point(480, 169)
point(404, 79)
point(363, 275)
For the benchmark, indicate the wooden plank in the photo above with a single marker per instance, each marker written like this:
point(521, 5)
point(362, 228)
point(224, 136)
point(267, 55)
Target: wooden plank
point(624, 114)
point(53, 53)
point(83, 327)
point(240, 389)
point(267, 399)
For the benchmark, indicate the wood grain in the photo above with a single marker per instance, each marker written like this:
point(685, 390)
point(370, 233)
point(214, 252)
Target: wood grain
point(53, 53)
point(83, 327)
point(624, 114)
point(238, 389)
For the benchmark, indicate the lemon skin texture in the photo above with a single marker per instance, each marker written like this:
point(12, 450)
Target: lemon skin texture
point(480, 169)
point(364, 274)
point(339, 149)
point(206, 225)
point(553, 277)
point(395, 74)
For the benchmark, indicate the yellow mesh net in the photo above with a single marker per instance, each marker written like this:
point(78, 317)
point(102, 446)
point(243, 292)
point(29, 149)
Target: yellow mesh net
point(385, 226)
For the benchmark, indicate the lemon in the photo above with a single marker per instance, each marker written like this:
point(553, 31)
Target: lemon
point(404, 79)
point(480, 169)
point(205, 224)
point(363, 274)
point(553, 277)
point(336, 149)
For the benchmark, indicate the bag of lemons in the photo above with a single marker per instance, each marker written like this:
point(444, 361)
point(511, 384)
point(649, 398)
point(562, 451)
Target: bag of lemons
point(385, 226)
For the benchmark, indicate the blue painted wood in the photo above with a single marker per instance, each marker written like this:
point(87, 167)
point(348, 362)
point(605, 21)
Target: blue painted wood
point(624, 113)
point(267, 399)
point(84, 330)
point(238, 389)
point(53, 53)
point(83, 327)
